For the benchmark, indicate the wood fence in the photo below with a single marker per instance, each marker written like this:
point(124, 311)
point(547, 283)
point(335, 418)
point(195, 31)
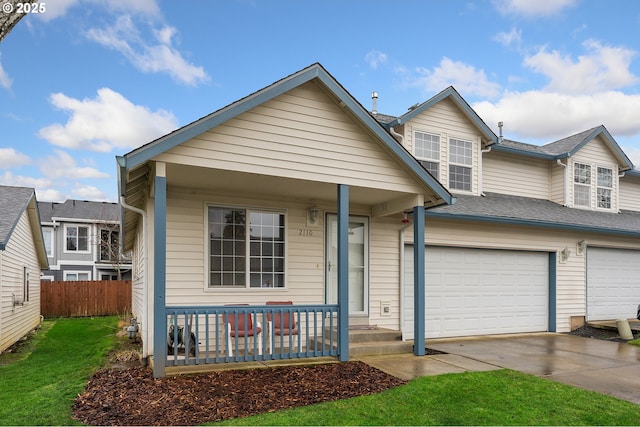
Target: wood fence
point(85, 298)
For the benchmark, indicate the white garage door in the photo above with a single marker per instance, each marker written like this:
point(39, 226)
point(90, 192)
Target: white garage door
point(479, 292)
point(613, 283)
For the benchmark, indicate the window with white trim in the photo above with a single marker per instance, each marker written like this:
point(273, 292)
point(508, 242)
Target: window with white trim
point(47, 235)
point(427, 151)
point(77, 238)
point(460, 164)
point(581, 184)
point(604, 187)
point(246, 248)
point(76, 275)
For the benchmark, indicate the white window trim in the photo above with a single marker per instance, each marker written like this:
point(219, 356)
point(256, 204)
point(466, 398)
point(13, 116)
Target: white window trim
point(611, 189)
point(52, 232)
point(247, 287)
point(469, 166)
point(437, 160)
point(89, 237)
point(67, 273)
point(589, 185)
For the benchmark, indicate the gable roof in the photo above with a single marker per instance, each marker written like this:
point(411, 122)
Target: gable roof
point(79, 209)
point(566, 147)
point(14, 201)
point(315, 71)
point(518, 210)
point(454, 96)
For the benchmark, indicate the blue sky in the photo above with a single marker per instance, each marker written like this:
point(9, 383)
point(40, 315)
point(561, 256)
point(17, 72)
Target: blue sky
point(87, 80)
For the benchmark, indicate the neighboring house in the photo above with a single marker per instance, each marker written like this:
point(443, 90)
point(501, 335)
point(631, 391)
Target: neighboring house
point(298, 193)
point(22, 256)
point(82, 239)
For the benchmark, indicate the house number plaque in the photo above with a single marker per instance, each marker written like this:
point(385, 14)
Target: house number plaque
point(305, 232)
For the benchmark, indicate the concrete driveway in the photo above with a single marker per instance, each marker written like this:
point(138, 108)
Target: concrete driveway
point(606, 367)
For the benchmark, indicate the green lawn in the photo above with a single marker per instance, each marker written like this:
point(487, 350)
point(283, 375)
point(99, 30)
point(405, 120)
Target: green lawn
point(38, 388)
point(474, 398)
point(39, 385)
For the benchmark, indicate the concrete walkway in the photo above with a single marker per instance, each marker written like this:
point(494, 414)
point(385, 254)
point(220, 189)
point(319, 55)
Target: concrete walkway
point(602, 366)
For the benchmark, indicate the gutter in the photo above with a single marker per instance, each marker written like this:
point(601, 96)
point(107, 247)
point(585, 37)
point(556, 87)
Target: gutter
point(566, 184)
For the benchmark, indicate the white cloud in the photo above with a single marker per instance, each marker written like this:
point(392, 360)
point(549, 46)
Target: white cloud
point(10, 158)
point(8, 178)
point(50, 195)
point(513, 37)
point(106, 122)
point(88, 192)
point(465, 78)
point(62, 165)
point(375, 58)
point(532, 8)
point(550, 116)
point(5, 80)
point(160, 57)
point(602, 68)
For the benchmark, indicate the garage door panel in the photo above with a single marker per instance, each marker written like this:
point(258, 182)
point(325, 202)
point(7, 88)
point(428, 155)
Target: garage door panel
point(613, 283)
point(479, 292)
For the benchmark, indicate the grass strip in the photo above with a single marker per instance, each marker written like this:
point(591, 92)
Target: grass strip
point(39, 389)
point(500, 397)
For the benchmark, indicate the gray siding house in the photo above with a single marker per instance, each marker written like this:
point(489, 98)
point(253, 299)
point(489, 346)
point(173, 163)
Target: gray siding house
point(82, 239)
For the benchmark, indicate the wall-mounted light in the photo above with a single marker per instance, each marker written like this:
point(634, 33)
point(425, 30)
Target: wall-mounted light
point(564, 254)
point(581, 247)
point(313, 216)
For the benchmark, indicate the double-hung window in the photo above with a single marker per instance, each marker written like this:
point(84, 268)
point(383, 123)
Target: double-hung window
point(581, 184)
point(77, 238)
point(460, 164)
point(605, 187)
point(47, 235)
point(109, 245)
point(246, 248)
point(427, 151)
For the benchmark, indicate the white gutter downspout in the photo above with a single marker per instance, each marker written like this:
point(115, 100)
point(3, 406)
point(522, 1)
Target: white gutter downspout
point(618, 192)
point(145, 291)
point(480, 174)
point(566, 184)
point(397, 135)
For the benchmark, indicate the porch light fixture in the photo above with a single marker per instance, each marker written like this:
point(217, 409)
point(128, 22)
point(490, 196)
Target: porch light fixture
point(312, 216)
point(581, 247)
point(564, 254)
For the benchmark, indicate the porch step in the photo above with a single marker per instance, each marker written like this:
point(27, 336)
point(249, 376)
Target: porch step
point(369, 341)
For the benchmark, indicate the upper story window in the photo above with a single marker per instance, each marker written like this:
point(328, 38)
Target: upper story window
point(427, 151)
point(246, 248)
point(460, 164)
point(109, 245)
point(47, 235)
point(77, 238)
point(581, 184)
point(605, 187)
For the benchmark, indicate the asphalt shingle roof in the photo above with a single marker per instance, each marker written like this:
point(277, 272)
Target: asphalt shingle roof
point(13, 202)
point(538, 212)
point(79, 209)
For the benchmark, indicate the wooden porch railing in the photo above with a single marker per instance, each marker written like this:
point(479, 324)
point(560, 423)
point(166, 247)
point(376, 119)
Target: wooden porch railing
point(243, 333)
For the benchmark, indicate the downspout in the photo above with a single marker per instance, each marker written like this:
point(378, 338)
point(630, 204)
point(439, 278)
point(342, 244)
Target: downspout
point(480, 174)
point(397, 135)
point(566, 184)
point(145, 291)
point(620, 175)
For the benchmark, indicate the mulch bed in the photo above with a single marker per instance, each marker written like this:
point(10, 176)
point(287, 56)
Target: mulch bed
point(133, 397)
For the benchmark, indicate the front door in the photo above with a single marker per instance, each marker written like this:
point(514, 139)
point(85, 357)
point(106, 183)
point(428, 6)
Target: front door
point(358, 263)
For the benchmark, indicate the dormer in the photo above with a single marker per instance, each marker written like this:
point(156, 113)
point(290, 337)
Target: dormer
point(447, 137)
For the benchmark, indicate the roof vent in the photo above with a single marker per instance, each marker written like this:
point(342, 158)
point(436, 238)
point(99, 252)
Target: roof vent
point(414, 106)
point(374, 99)
point(500, 124)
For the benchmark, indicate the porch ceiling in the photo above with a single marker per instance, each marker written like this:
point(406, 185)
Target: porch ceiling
point(249, 184)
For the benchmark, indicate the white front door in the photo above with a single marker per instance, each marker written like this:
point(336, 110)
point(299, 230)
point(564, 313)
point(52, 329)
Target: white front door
point(358, 263)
